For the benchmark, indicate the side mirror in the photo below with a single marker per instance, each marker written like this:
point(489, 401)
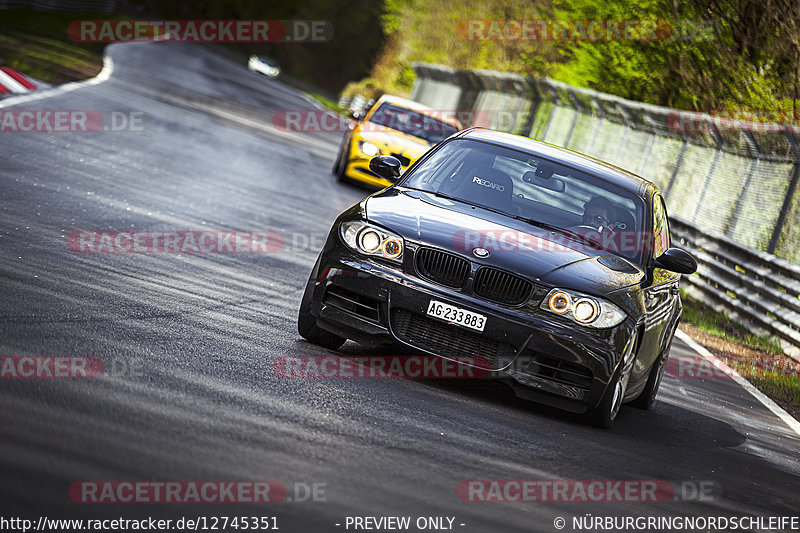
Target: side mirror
point(385, 166)
point(676, 260)
point(355, 115)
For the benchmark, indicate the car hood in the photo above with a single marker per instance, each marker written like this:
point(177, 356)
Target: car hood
point(389, 140)
point(513, 245)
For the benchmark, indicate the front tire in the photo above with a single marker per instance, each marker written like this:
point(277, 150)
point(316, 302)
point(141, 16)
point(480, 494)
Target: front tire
point(308, 329)
point(603, 415)
point(340, 167)
point(307, 322)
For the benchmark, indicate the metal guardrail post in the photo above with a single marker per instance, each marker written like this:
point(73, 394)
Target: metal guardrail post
point(536, 99)
point(748, 181)
point(577, 108)
point(790, 192)
point(471, 86)
point(678, 165)
point(737, 210)
point(601, 114)
point(649, 148)
point(556, 103)
point(711, 169)
point(623, 140)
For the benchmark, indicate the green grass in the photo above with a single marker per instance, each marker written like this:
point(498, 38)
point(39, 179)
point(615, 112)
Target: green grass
point(718, 324)
point(327, 102)
point(37, 44)
point(772, 372)
point(784, 389)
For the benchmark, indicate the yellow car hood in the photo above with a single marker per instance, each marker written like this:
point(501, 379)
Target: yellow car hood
point(392, 141)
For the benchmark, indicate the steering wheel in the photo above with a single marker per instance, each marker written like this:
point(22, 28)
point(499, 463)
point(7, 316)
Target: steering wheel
point(593, 239)
point(585, 226)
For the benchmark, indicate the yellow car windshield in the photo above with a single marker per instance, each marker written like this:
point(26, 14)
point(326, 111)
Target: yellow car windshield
point(412, 123)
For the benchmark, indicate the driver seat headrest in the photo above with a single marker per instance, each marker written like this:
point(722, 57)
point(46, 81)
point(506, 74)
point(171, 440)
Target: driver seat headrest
point(487, 186)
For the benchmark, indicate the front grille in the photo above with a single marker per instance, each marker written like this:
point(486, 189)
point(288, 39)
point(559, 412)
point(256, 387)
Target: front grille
point(500, 286)
point(349, 301)
point(563, 372)
point(449, 340)
point(442, 267)
point(405, 161)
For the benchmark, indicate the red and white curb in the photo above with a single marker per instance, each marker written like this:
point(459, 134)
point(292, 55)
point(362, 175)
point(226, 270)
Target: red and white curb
point(104, 75)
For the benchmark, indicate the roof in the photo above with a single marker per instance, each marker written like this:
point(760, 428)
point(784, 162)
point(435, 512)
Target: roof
point(618, 176)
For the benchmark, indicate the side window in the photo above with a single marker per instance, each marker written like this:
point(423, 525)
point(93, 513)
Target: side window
point(660, 226)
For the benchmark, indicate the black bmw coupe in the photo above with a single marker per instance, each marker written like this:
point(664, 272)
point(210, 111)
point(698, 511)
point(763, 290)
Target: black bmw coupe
point(551, 270)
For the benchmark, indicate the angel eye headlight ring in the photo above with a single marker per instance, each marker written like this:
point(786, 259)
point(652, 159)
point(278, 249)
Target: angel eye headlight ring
point(585, 310)
point(560, 302)
point(392, 248)
point(369, 241)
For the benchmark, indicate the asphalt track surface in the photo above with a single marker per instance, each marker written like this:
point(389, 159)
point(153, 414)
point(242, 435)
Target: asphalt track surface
point(193, 338)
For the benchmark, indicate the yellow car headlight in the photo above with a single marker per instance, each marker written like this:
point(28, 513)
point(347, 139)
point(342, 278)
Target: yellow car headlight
point(369, 149)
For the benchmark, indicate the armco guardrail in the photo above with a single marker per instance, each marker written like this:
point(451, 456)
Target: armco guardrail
point(753, 286)
point(732, 186)
point(734, 177)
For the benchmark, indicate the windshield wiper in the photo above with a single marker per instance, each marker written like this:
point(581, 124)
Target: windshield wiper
point(461, 200)
point(574, 235)
point(558, 229)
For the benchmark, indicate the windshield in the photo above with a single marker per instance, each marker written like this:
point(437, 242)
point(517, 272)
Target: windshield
point(544, 193)
point(413, 123)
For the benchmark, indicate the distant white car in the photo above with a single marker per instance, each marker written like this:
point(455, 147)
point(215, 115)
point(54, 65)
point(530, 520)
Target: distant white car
point(264, 65)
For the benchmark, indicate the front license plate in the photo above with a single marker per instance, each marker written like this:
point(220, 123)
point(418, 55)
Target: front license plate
point(456, 315)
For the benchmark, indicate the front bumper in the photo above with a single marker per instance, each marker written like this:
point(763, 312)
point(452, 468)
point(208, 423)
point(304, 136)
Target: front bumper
point(546, 358)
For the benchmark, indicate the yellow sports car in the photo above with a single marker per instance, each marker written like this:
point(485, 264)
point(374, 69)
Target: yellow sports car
point(393, 126)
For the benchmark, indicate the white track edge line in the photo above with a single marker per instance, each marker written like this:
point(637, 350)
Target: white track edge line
point(776, 409)
point(104, 75)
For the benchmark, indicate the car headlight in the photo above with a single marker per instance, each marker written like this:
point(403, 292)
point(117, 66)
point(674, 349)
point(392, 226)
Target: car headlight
point(583, 309)
point(368, 148)
point(372, 240)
